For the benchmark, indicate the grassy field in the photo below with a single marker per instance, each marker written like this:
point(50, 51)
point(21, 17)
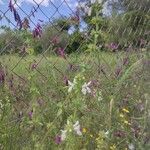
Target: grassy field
point(98, 101)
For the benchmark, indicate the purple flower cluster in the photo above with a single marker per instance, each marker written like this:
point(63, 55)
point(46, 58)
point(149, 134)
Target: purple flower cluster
point(58, 139)
point(113, 46)
point(37, 32)
point(16, 15)
point(66, 81)
point(61, 52)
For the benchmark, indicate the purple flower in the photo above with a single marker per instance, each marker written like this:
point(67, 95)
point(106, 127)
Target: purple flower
point(55, 40)
point(37, 32)
point(30, 114)
point(126, 61)
point(119, 133)
point(58, 139)
point(16, 15)
point(61, 52)
point(11, 6)
point(113, 46)
point(66, 81)
point(33, 66)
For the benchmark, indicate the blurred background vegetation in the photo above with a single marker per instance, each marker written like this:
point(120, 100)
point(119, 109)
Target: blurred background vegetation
point(127, 24)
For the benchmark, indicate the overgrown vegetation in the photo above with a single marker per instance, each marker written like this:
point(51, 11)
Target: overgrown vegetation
point(84, 90)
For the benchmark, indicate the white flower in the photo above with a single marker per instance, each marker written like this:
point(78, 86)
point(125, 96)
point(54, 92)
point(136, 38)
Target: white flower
point(106, 133)
point(63, 134)
point(72, 85)
point(85, 88)
point(77, 128)
point(131, 147)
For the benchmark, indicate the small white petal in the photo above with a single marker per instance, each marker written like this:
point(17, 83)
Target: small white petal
point(70, 83)
point(89, 83)
point(79, 132)
point(76, 128)
point(63, 134)
point(131, 147)
point(88, 90)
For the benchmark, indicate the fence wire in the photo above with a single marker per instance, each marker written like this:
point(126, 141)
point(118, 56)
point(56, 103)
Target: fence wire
point(45, 44)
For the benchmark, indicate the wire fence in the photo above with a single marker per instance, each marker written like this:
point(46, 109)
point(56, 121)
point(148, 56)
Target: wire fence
point(45, 44)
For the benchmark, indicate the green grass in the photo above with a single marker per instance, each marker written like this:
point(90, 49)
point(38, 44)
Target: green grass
point(44, 92)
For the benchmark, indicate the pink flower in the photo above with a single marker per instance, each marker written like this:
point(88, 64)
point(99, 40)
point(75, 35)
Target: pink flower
point(37, 32)
point(30, 114)
point(55, 40)
point(66, 81)
point(58, 139)
point(61, 52)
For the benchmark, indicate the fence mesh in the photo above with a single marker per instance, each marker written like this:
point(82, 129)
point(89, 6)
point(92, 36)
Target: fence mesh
point(46, 46)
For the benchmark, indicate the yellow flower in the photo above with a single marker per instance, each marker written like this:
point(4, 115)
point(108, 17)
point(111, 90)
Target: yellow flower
point(84, 130)
point(126, 122)
point(113, 147)
point(121, 115)
point(125, 110)
point(92, 136)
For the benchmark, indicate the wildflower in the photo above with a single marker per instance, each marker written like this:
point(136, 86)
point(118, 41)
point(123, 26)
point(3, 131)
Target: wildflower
point(30, 114)
point(91, 135)
point(84, 130)
point(55, 40)
point(77, 128)
point(17, 18)
point(131, 146)
point(71, 85)
point(11, 6)
point(85, 88)
point(37, 32)
point(121, 115)
point(33, 66)
point(125, 110)
point(106, 133)
point(66, 81)
point(113, 147)
point(113, 46)
point(119, 134)
point(61, 52)
point(58, 139)
point(126, 122)
point(63, 135)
